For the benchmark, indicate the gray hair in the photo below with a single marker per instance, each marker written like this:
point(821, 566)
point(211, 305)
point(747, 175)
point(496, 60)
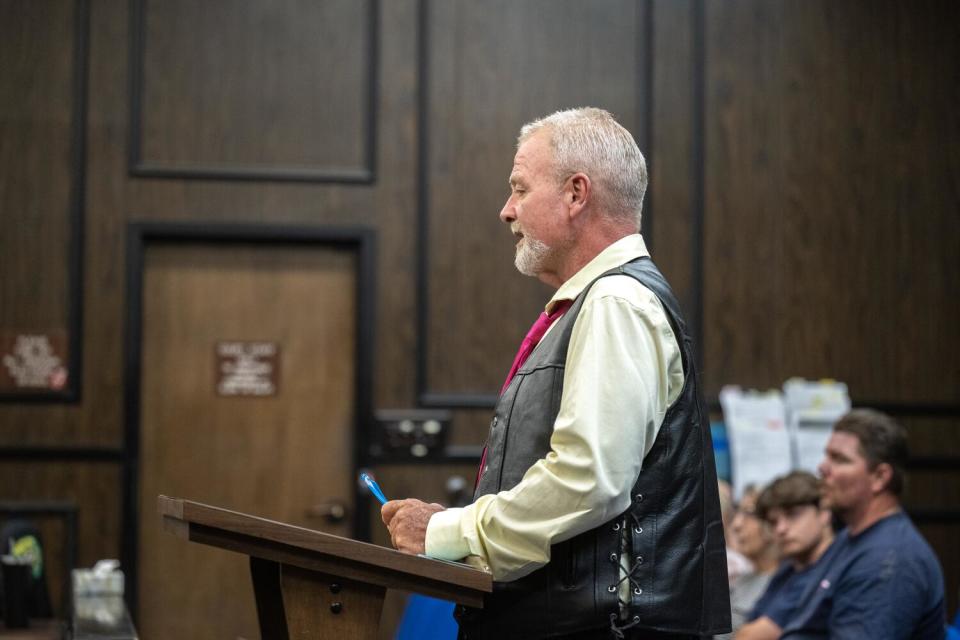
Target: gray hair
point(591, 141)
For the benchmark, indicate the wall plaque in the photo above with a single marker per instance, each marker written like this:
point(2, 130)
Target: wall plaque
point(33, 360)
point(247, 368)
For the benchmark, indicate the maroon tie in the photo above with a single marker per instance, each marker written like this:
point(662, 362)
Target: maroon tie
point(526, 348)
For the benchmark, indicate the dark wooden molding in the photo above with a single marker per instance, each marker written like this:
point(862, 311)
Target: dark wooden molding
point(698, 177)
point(71, 393)
point(60, 454)
point(359, 239)
point(450, 455)
point(923, 515)
point(458, 400)
point(423, 199)
point(269, 597)
point(645, 84)
point(896, 409)
point(948, 464)
point(364, 175)
point(913, 409)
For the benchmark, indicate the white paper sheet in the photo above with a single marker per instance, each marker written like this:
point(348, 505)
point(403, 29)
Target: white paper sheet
point(813, 407)
point(760, 448)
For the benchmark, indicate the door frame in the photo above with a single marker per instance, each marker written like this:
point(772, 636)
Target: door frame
point(140, 235)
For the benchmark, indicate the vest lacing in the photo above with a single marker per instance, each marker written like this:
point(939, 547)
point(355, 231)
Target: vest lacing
point(615, 630)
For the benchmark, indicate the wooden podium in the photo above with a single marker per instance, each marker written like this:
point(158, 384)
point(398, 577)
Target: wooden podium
point(309, 584)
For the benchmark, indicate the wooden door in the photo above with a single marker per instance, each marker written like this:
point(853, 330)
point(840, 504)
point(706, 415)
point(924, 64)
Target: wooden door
point(280, 455)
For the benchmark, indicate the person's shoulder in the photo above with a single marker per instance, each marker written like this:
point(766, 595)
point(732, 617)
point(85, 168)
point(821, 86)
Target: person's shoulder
point(843, 559)
point(895, 532)
point(784, 571)
point(623, 288)
point(779, 579)
point(891, 542)
point(914, 545)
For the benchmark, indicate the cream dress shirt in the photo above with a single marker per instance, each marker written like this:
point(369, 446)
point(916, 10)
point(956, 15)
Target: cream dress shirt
point(623, 371)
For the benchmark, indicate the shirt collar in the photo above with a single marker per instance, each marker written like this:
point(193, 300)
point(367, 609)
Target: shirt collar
point(620, 252)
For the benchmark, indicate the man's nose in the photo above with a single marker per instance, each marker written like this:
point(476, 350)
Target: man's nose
point(507, 213)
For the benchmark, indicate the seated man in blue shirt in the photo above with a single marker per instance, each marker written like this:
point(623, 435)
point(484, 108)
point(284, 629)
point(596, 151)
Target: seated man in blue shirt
point(881, 579)
point(802, 530)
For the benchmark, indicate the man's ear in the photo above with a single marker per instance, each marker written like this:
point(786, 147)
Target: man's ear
point(880, 477)
point(577, 193)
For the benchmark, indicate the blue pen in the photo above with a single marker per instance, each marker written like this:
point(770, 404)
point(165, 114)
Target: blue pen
point(374, 487)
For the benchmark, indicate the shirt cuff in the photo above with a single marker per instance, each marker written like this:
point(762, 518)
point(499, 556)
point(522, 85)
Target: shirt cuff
point(444, 539)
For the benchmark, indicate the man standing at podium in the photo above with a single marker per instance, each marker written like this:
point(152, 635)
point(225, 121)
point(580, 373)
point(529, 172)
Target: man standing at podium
point(596, 506)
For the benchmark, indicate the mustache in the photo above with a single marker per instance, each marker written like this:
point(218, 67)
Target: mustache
point(515, 229)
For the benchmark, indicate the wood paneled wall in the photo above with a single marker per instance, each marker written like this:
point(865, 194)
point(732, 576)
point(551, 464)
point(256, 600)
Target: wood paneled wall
point(803, 201)
point(831, 227)
point(297, 101)
point(41, 190)
point(477, 313)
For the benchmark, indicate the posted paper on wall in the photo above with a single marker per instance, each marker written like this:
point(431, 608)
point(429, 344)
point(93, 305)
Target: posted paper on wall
point(760, 448)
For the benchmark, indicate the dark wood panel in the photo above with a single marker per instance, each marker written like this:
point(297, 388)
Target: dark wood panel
point(251, 90)
point(817, 112)
point(393, 208)
point(470, 427)
point(881, 220)
point(671, 159)
point(831, 220)
point(93, 487)
point(97, 421)
point(742, 184)
point(933, 489)
point(113, 199)
point(933, 437)
point(486, 76)
point(388, 206)
point(43, 46)
point(35, 119)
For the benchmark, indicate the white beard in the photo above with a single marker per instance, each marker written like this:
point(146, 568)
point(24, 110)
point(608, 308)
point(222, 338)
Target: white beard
point(531, 256)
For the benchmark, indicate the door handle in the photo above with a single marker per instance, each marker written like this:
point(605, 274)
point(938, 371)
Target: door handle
point(333, 511)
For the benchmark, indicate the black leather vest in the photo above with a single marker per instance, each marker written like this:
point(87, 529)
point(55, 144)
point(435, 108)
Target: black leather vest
point(671, 532)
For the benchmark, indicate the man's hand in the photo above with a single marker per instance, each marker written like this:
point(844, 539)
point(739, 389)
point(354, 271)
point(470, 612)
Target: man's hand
point(407, 521)
point(763, 628)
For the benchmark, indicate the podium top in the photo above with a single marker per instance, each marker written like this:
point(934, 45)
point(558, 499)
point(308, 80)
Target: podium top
point(306, 548)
